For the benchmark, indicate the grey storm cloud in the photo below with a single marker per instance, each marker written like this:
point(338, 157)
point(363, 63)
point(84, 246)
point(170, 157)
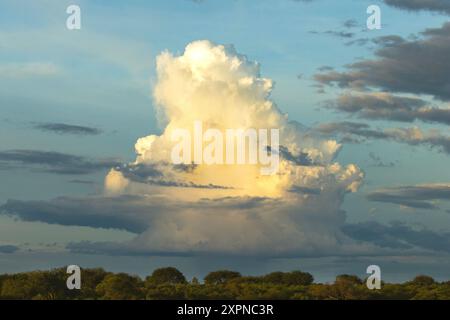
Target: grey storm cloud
point(8, 249)
point(141, 215)
point(419, 66)
point(63, 128)
point(125, 212)
point(166, 226)
point(96, 212)
point(390, 107)
point(154, 174)
point(416, 196)
point(147, 215)
point(358, 132)
point(53, 162)
point(398, 235)
point(442, 6)
point(119, 249)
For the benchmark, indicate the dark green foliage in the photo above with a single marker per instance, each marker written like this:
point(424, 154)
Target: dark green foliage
point(348, 279)
point(221, 277)
point(120, 286)
point(167, 275)
point(289, 278)
point(422, 280)
point(169, 283)
point(90, 279)
point(195, 281)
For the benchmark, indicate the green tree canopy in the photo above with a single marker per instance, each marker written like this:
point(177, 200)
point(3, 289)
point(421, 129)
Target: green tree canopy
point(167, 275)
point(348, 279)
point(221, 277)
point(289, 278)
point(169, 283)
point(298, 278)
point(120, 286)
point(422, 280)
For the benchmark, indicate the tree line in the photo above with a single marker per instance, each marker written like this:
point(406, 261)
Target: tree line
point(170, 283)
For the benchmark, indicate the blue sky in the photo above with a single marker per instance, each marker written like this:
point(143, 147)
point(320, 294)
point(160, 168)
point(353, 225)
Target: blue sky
point(102, 77)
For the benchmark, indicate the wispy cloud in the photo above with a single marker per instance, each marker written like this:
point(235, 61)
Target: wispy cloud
point(63, 128)
point(378, 162)
point(416, 196)
point(358, 132)
point(338, 34)
point(8, 249)
point(123, 213)
point(53, 162)
point(28, 69)
point(350, 23)
point(384, 106)
point(398, 235)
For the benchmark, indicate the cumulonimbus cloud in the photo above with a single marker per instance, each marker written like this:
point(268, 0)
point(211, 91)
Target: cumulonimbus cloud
point(230, 209)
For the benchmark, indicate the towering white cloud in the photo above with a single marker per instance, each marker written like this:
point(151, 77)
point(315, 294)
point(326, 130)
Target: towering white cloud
point(233, 208)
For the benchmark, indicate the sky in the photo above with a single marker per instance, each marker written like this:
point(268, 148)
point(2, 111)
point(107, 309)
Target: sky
point(86, 118)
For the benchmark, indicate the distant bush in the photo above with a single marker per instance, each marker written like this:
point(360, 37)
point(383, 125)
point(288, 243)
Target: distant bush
point(167, 275)
point(221, 277)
